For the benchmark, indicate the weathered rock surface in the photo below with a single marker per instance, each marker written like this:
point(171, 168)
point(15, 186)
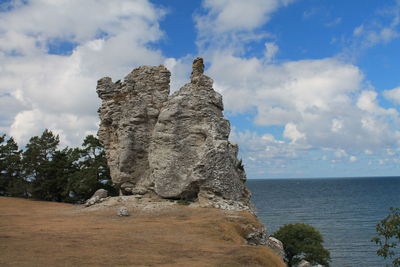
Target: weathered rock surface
point(257, 236)
point(176, 146)
point(128, 114)
point(123, 211)
point(190, 155)
point(97, 197)
point(303, 263)
point(276, 246)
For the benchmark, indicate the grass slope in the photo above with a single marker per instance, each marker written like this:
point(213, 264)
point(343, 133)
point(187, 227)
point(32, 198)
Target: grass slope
point(35, 233)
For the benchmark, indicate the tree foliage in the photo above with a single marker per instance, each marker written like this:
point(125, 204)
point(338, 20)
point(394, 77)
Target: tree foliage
point(40, 160)
point(45, 172)
point(388, 238)
point(302, 241)
point(93, 172)
point(11, 181)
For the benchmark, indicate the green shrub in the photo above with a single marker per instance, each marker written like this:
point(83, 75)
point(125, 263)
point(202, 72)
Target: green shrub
point(302, 241)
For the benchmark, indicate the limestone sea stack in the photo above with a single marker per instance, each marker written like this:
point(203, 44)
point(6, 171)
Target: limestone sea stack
point(174, 146)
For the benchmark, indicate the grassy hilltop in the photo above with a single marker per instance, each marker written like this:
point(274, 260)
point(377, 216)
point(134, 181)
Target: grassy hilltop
point(36, 233)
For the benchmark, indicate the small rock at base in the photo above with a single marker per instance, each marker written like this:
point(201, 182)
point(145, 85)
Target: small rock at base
point(101, 193)
point(276, 246)
point(97, 197)
point(123, 211)
point(303, 263)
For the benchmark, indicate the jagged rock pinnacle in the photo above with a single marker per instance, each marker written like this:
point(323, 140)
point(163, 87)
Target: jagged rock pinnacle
point(197, 66)
point(174, 146)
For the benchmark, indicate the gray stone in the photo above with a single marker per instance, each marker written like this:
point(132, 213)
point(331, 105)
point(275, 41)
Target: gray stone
point(123, 211)
point(128, 114)
point(97, 197)
point(276, 246)
point(257, 236)
point(176, 146)
point(303, 263)
point(190, 152)
point(101, 193)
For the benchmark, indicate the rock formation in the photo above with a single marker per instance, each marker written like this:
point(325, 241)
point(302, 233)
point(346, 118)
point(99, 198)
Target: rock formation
point(128, 114)
point(276, 246)
point(174, 146)
point(98, 196)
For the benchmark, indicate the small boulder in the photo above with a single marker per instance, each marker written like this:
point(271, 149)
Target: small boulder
point(101, 193)
point(276, 246)
point(256, 235)
point(303, 263)
point(123, 211)
point(97, 197)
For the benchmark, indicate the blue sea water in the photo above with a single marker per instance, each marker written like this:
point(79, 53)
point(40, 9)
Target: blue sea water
point(344, 210)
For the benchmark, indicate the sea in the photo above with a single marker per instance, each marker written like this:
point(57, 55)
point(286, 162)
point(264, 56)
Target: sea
point(344, 210)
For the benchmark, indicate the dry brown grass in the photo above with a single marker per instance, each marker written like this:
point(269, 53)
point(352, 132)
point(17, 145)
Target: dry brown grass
point(35, 233)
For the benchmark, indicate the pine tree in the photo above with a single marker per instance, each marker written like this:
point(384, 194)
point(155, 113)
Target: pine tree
point(11, 180)
point(37, 163)
point(93, 172)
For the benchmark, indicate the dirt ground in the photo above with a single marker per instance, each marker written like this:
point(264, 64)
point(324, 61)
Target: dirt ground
point(36, 233)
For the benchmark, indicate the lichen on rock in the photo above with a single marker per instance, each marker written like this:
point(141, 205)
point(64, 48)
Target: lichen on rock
point(174, 146)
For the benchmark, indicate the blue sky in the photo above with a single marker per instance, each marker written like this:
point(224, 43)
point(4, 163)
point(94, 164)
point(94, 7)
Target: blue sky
point(311, 87)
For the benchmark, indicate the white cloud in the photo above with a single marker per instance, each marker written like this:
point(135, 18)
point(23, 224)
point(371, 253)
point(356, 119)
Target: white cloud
point(340, 153)
point(231, 15)
point(367, 102)
point(393, 95)
point(334, 22)
point(370, 34)
point(320, 105)
point(58, 91)
point(368, 152)
point(337, 125)
point(180, 71)
point(358, 30)
point(265, 155)
point(326, 103)
point(292, 133)
point(353, 159)
point(326, 99)
point(271, 49)
point(384, 35)
point(228, 24)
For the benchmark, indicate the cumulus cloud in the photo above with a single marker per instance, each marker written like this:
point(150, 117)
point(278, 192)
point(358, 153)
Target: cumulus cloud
point(265, 155)
point(322, 108)
point(228, 24)
point(271, 49)
point(58, 91)
point(292, 133)
point(323, 105)
point(231, 15)
point(393, 95)
point(326, 99)
point(367, 101)
point(370, 34)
